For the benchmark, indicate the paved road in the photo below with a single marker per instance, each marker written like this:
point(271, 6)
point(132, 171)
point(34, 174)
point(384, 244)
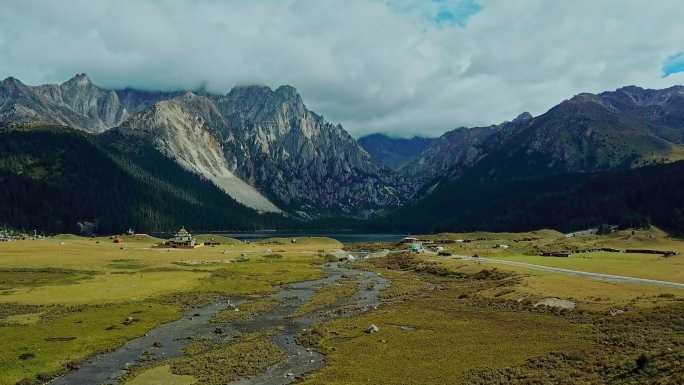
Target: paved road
point(602, 277)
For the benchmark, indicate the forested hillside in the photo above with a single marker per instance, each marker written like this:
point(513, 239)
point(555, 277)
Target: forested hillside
point(631, 198)
point(54, 177)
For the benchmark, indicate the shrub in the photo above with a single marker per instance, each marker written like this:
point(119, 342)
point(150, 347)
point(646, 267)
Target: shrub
point(641, 362)
point(273, 256)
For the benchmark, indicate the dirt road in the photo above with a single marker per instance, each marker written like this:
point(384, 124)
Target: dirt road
point(599, 276)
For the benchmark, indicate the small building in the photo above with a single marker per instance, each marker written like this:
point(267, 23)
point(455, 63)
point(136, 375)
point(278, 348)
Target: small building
point(409, 240)
point(182, 240)
point(416, 247)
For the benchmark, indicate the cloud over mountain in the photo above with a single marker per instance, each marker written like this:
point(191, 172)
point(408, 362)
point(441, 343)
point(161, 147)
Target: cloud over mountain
point(400, 66)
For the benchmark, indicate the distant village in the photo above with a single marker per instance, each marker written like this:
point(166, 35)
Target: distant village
point(7, 235)
point(181, 240)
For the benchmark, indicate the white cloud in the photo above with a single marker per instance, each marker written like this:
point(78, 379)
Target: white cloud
point(371, 65)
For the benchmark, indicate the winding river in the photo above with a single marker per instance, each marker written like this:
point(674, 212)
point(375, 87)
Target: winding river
point(168, 340)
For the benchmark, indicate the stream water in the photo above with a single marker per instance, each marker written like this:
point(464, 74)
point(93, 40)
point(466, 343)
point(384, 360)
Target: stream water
point(168, 340)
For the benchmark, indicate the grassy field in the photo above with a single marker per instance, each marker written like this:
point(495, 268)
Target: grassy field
point(435, 341)
point(65, 298)
point(246, 311)
point(329, 296)
point(442, 321)
point(431, 338)
point(70, 335)
point(628, 264)
point(220, 363)
point(527, 247)
point(161, 375)
point(588, 293)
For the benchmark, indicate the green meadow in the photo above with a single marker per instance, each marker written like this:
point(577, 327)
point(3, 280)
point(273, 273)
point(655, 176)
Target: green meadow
point(441, 321)
point(64, 298)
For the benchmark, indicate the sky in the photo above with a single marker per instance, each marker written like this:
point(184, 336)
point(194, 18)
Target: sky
point(401, 67)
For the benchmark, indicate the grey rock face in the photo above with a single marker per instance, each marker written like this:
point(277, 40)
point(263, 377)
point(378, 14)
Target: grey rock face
point(77, 103)
point(178, 128)
point(274, 141)
point(97, 109)
point(262, 146)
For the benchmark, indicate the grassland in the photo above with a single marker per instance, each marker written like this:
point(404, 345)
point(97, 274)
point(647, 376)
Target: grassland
point(442, 321)
point(527, 247)
point(328, 296)
point(446, 324)
point(65, 298)
point(161, 375)
point(627, 264)
point(587, 293)
point(247, 310)
point(431, 341)
point(213, 363)
point(64, 337)
point(220, 363)
point(429, 337)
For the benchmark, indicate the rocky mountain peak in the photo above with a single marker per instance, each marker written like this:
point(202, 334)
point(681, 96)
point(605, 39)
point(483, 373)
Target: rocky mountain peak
point(79, 80)
point(631, 89)
point(188, 96)
point(266, 97)
point(12, 86)
point(260, 145)
point(11, 81)
point(523, 117)
point(250, 92)
point(584, 97)
point(287, 92)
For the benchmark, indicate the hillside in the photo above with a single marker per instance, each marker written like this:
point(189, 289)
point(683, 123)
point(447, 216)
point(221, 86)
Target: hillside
point(262, 147)
point(627, 128)
point(630, 198)
point(55, 178)
point(256, 156)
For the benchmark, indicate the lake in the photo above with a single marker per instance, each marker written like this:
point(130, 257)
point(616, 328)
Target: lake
point(342, 237)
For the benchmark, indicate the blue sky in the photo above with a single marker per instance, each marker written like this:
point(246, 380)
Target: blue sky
point(403, 67)
point(673, 64)
point(439, 12)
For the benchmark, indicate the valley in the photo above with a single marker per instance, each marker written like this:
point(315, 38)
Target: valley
point(319, 192)
point(284, 310)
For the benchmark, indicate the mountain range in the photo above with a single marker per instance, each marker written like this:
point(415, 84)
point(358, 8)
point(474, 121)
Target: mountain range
point(628, 128)
point(263, 147)
point(257, 157)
